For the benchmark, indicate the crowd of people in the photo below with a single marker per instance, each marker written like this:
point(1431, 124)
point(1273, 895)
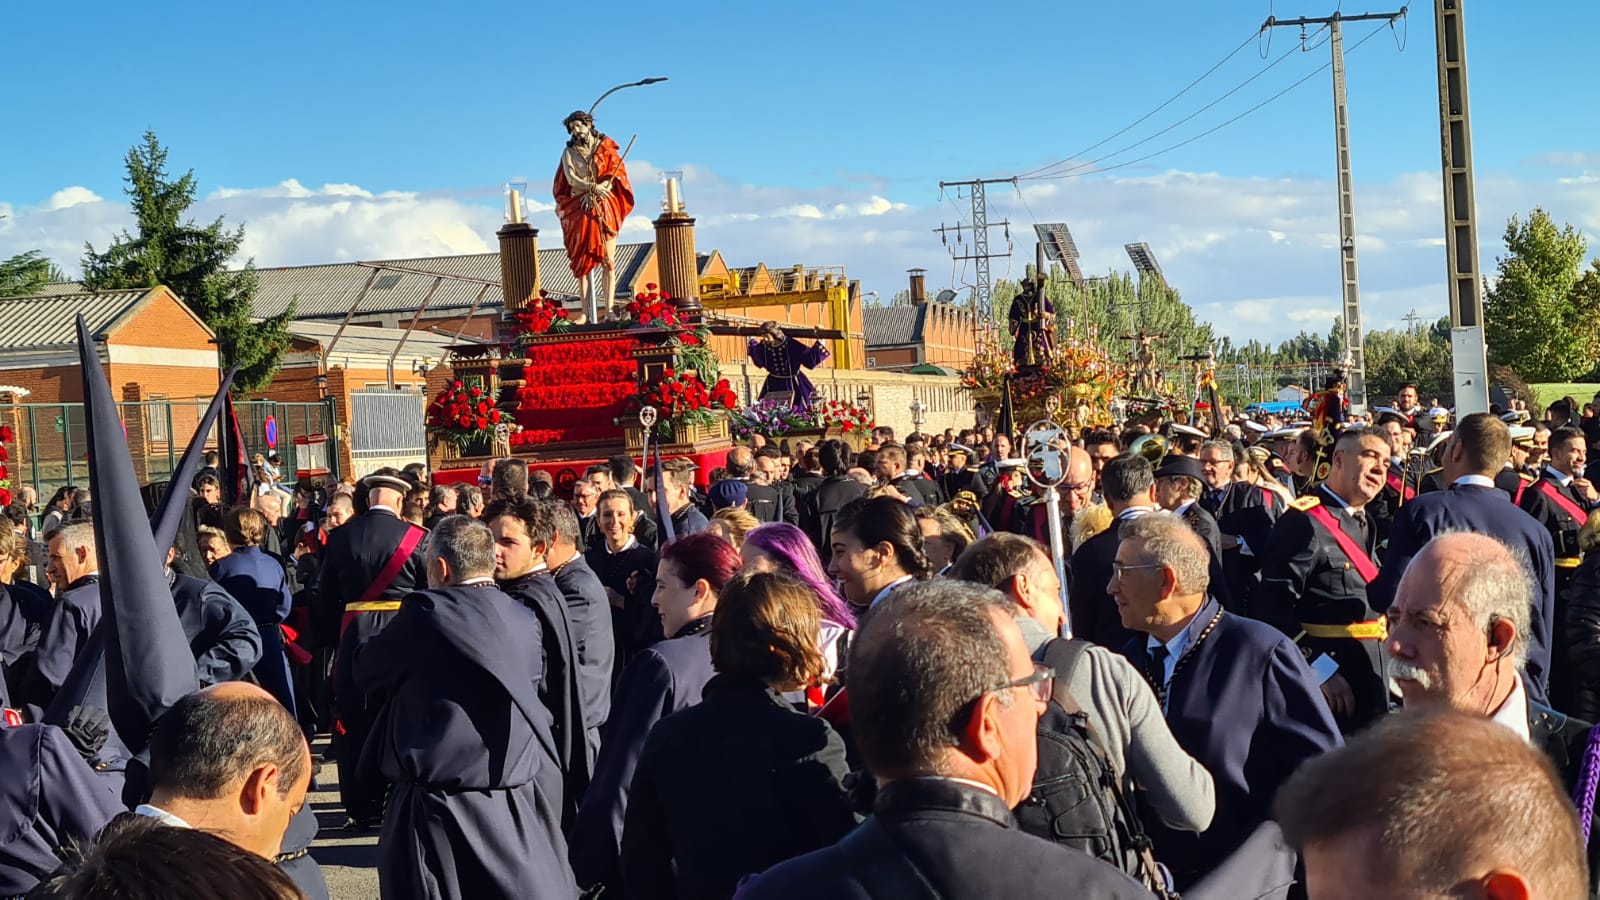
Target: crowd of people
point(1270, 663)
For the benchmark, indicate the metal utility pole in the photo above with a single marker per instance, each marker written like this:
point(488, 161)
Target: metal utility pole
point(1355, 349)
point(983, 289)
point(1460, 213)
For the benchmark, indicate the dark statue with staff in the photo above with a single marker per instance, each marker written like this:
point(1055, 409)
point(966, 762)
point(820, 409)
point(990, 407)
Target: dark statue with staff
point(783, 357)
point(1033, 325)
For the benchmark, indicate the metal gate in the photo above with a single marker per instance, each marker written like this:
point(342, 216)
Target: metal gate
point(387, 428)
point(51, 444)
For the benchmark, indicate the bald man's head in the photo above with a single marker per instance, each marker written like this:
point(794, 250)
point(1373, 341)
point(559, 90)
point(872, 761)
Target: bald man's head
point(213, 738)
point(234, 690)
point(1458, 627)
point(1078, 489)
point(740, 462)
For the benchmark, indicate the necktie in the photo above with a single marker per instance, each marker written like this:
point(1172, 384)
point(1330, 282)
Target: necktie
point(1362, 525)
point(1158, 668)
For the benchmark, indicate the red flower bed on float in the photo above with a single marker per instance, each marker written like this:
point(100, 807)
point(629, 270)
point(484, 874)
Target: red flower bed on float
point(573, 391)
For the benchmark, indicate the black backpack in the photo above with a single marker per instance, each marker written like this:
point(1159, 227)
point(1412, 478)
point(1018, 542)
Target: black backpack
point(1077, 799)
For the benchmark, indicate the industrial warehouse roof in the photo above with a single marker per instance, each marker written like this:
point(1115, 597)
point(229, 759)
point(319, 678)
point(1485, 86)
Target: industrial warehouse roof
point(366, 339)
point(49, 321)
point(328, 291)
point(893, 326)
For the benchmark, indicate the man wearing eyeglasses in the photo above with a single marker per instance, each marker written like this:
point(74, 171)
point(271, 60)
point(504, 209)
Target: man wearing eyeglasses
point(945, 702)
point(1237, 694)
point(1076, 492)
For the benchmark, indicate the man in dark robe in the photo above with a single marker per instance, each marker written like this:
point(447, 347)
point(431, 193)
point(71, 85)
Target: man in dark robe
point(225, 642)
point(371, 562)
point(24, 610)
point(75, 569)
point(1237, 694)
point(477, 796)
point(523, 530)
point(49, 799)
point(783, 357)
point(590, 616)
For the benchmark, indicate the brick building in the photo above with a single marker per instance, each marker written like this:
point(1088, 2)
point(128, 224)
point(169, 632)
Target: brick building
point(154, 349)
point(376, 382)
point(923, 333)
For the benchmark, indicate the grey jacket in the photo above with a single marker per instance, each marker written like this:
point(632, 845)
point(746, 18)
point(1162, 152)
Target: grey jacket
point(1122, 710)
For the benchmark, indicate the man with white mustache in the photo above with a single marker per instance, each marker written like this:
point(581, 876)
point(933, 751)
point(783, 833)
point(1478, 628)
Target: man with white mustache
point(1458, 638)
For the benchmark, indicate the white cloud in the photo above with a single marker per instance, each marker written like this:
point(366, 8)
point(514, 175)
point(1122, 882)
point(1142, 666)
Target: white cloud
point(71, 196)
point(1257, 257)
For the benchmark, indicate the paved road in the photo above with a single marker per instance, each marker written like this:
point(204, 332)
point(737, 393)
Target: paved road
point(348, 860)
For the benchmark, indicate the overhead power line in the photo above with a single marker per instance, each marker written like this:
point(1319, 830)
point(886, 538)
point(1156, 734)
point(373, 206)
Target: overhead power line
point(1210, 131)
point(1142, 119)
point(1174, 126)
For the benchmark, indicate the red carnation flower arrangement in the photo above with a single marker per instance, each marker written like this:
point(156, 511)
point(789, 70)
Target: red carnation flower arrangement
point(463, 413)
point(6, 436)
point(543, 315)
point(681, 398)
point(843, 415)
point(651, 308)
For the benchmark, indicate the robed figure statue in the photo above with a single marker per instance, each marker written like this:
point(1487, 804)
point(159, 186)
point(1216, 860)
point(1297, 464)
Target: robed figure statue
point(1032, 327)
point(783, 357)
point(593, 197)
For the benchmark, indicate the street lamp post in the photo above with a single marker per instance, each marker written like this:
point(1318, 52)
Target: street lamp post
point(640, 83)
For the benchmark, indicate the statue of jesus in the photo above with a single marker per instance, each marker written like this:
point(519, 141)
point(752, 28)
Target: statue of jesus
point(593, 197)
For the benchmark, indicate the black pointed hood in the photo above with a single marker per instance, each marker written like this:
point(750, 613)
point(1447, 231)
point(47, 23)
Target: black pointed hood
point(168, 517)
point(148, 663)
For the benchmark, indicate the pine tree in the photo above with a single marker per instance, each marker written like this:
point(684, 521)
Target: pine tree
point(192, 260)
point(27, 273)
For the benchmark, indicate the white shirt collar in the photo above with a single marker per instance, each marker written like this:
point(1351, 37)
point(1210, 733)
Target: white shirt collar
point(1343, 504)
point(1474, 481)
point(156, 812)
point(632, 543)
point(1134, 512)
point(1557, 477)
point(485, 579)
point(1513, 713)
point(890, 588)
point(1175, 649)
point(1184, 508)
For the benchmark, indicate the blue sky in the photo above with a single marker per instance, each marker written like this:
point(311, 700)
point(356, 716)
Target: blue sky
point(812, 133)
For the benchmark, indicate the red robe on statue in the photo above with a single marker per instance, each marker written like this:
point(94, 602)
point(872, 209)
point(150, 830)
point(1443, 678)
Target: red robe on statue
point(586, 231)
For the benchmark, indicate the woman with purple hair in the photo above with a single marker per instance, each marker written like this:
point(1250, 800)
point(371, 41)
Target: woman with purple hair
point(781, 547)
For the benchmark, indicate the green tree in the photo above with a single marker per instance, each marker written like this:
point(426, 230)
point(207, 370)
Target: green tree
point(27, 273)
point(191, 260)
point(1420, 355)
point(1534, 320)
